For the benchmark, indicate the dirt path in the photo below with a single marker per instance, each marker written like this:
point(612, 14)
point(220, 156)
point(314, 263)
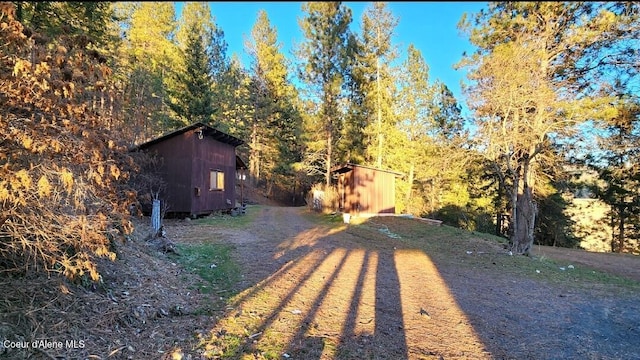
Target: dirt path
point(316, 293)
point(332, 295)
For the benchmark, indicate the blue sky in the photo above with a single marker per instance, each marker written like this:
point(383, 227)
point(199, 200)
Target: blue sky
point(429, 26)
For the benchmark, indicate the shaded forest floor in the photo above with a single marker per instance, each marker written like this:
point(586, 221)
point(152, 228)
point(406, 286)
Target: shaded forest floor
point(306, 286)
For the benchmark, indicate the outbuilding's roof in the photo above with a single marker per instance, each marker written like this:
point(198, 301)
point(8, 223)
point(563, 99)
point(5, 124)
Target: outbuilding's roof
point(206, 131)
point(349, 166)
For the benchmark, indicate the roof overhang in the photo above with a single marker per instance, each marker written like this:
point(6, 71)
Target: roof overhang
point(240, 164)
point(344, 168)
point(198, 126)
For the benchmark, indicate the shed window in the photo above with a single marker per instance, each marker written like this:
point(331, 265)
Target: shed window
point(216, 180)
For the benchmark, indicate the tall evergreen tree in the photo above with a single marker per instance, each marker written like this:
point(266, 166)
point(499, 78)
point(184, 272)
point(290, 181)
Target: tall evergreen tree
point(148, 60)
point(618, 167)
point(447, 114)
point(150, 36)
point(268, 71)
point(325, 26)
point(197, 19)
point(193, 97)
point(374, 73)
point(236, 114)
point(276, 125)
point(414, 112)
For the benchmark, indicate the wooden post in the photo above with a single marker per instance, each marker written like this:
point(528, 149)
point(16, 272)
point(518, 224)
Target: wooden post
point(242, 187)
point(155, 215)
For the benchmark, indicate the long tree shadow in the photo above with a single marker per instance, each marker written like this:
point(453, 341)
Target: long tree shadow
point(389, 329)
point(357, 292)
point(371, 324)
point(499, 310)
point(331, 295)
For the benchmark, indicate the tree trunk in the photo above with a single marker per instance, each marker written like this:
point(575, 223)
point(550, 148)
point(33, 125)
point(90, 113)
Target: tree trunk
point(379, 106)
point(269, 186)
point(524, 210)
point(254, 156)
point(513, 224)
point(620, 239)
point(525, 223)
point(19, 16)
point(410, 187)
point(328, 160)
point(293, 199)
point(499, 202)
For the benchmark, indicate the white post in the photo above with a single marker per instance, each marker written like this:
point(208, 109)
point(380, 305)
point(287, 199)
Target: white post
point(155, 215)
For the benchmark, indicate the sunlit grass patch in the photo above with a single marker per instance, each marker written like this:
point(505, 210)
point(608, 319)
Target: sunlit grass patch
point(458, 247)
point(231, 222)
point(213, 264)
point(236, 341)
point(334, 218)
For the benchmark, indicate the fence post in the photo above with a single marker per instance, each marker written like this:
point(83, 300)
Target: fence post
point(155, 215)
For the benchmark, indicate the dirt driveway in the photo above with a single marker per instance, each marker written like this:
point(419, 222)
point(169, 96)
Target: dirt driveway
point(331, 292)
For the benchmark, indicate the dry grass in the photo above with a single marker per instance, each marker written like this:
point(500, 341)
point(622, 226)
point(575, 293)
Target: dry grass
point(142, 309)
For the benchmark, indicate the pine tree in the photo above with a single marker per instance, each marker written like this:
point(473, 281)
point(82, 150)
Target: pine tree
point(193, 97)
point(147, 61)
point(376, 81)
point(198, 24)
point(447, 114)
point(236, 114)
point(196, 17)
point(324, 53)
point(617, 165)
point(414, 113)
point(276, 125)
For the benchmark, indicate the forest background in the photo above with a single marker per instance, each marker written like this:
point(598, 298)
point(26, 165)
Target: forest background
point(552, 97)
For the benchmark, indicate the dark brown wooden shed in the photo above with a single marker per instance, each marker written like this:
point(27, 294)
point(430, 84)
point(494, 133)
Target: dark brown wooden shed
point(366, 191)
point(199, 167)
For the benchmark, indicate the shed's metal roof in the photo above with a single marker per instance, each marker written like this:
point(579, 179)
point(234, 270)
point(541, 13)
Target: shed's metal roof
point(349, 166)
point(206, 131)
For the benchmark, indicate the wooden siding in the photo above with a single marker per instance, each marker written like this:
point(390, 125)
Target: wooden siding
point(187, 162)
point(210, 154)
point(367, 191)
point(176, 171)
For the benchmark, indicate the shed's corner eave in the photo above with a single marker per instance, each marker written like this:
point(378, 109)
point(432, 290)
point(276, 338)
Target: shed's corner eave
point(344, 168)
point(206, 131)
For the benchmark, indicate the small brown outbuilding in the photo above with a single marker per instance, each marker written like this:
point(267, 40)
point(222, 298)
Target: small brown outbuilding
point(199, 166)
point(366, 191)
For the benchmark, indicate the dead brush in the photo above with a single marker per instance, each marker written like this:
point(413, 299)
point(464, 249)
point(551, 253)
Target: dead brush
point(63, 177)
point(37, 308)
point(131, 313)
